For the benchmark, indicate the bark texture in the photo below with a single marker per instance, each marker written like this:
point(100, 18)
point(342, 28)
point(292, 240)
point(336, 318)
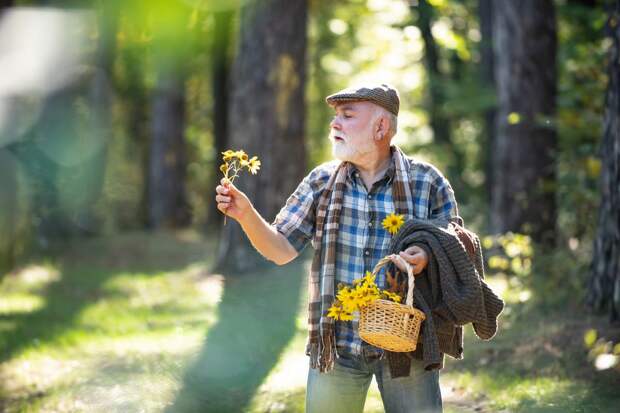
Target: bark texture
point(267, 113)
point(525, 47)
point(604, 285)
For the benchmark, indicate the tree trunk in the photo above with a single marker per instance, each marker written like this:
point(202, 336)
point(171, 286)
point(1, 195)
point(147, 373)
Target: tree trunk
point(439, 122)
point(167, 169)
point(8, 194)
point(101, 98)
point(137, 107)
point(525, 43)
point(604, 285)
point(8, 209)
point(267, 113)
point(485, 13)
point(168, 204)
point(220, 67)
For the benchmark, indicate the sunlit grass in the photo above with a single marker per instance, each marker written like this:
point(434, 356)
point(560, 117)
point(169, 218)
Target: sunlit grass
point(130, 323)
point(97, 338)
point(515, 393)
point(16, 303)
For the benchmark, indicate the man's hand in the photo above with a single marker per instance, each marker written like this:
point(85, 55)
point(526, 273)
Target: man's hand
point(232, 201)
point(415, 256)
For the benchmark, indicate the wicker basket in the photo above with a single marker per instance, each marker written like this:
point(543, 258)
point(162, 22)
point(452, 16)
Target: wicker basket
point(389, 325)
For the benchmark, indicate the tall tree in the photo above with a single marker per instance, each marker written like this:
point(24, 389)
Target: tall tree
point(137, 103)
point(101, 97)
point(439, 122)
point(525, 44)
point(8, 193)
point(167, 168)
point(132, 91)
point(267, 112)
point(604, 285)
point(485, 15)
point(220, 68)
point(8, 209)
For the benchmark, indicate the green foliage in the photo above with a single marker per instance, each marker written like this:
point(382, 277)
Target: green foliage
point(581, 96)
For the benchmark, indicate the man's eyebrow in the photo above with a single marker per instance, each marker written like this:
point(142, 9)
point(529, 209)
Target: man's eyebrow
point(346, 107)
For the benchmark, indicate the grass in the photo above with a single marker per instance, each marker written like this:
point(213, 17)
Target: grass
point(136, 323)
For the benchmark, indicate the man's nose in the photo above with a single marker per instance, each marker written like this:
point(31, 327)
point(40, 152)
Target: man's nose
point(334, 124)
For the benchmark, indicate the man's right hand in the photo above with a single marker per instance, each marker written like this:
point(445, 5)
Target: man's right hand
point(232, 201)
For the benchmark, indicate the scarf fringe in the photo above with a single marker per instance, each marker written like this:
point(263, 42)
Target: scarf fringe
point(323, 353)
point(327, 351)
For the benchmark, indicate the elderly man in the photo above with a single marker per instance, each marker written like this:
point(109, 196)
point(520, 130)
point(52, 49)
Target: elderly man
point(339, 206)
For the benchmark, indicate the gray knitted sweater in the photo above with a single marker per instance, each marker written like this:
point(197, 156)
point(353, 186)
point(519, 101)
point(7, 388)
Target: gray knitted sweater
point(451, 291)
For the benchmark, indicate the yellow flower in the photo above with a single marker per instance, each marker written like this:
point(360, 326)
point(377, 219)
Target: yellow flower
point(347, 298)
point(224, 167)
point(366, 293)
point(369, 278)
point(344, 316)
point(343, 294)
point(228, 155)
point(338, 313)
point(393, 222)
point(392, 296)
point(241, 155)
point(254, 165)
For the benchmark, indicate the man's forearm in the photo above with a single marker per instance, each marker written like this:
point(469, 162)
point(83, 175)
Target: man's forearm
point(266, 239)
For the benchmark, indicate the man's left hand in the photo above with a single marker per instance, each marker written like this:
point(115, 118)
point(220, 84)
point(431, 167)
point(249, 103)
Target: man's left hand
point(415, 256)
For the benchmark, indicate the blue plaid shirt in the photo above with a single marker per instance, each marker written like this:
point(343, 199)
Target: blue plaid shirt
point(362, 241)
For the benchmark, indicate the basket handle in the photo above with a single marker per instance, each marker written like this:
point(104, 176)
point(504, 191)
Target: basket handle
point(387, 259)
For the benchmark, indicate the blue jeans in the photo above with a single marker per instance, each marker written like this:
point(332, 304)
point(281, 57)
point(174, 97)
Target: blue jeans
point(344, 389)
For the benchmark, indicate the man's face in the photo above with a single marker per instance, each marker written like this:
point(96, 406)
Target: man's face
point(351, 131)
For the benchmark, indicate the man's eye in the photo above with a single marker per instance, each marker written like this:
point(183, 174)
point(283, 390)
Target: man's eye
point(347, 116)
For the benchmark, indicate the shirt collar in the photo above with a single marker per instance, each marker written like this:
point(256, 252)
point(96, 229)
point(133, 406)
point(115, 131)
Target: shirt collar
point(352, 171)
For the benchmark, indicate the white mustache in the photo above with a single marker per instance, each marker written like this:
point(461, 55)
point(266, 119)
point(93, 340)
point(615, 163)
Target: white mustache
point(333, 136)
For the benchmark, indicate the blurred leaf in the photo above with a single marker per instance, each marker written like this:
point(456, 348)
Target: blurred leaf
point(513, 118)
point(589, 338)
point(593, 166)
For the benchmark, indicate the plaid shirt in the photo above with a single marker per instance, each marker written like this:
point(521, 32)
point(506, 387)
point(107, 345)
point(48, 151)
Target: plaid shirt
point(362, 241)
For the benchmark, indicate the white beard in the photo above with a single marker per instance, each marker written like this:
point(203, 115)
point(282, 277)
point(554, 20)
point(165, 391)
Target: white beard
point(342, 151)
point(345, 151)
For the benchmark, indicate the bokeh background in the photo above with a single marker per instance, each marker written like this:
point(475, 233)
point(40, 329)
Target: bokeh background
point(122, 290)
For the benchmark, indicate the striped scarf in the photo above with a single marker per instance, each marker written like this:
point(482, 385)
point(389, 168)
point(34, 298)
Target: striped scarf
point(321, 289)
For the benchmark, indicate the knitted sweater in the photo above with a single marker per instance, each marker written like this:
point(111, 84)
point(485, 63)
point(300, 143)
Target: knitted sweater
point(451, 291)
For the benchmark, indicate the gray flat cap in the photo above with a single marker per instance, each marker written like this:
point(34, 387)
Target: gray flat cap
point(383, 95)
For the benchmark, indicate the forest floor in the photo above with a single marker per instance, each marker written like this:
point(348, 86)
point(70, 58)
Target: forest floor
point(137, 323)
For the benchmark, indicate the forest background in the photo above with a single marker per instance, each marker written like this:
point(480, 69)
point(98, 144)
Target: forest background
point(120, 287)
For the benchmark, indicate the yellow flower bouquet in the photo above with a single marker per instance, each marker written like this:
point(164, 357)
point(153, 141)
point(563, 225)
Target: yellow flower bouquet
point(235, 162)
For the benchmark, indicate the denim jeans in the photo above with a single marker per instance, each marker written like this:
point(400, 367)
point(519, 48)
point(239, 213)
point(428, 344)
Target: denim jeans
point(344, 388)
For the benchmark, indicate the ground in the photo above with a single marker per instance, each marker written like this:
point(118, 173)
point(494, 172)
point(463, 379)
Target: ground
point(137, 323)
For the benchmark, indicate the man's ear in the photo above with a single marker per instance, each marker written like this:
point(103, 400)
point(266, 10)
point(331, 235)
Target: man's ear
point(381, 128)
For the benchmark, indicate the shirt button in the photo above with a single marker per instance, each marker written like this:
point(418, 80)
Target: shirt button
point(369, 196)
point(370, 224)
point(367, 253)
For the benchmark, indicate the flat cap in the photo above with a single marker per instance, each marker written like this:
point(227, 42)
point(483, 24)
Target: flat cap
point(383, 95)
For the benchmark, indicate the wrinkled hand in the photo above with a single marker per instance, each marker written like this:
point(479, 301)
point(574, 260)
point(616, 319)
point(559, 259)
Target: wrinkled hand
point(232, 201)
point(415, 256)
